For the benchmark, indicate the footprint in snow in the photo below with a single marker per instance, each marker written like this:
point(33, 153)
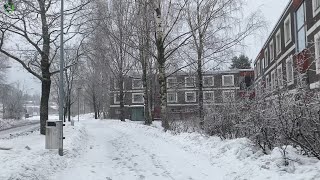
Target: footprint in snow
point(115, 159)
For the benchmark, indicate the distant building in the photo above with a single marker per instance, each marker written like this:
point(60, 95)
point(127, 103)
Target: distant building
point(219, 87)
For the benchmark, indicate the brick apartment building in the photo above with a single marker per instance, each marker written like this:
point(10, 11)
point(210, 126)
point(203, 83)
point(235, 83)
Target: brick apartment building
point(292, 48)
point(182, 93)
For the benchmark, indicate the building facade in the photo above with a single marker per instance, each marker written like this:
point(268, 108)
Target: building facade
point(219, 87)
point(292, 49)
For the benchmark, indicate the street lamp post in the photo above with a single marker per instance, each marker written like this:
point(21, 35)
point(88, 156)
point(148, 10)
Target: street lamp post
point(61, 93)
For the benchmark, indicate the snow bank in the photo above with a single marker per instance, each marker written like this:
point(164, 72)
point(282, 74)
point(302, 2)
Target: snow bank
point(239, 157)
point(28, 158)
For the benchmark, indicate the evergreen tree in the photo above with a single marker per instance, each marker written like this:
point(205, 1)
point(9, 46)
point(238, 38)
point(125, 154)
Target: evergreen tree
point(241, 62)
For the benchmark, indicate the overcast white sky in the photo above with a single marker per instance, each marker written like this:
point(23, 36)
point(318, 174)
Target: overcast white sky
point(271, 10)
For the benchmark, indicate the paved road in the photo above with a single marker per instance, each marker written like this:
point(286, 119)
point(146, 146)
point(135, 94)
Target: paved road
point(19, 129)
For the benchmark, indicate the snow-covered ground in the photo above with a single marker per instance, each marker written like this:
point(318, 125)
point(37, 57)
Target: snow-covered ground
point(114, 150)
point(28, 159)
point(9, 123)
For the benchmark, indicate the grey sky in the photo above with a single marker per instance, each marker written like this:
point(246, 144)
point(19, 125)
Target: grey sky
point(271, 10)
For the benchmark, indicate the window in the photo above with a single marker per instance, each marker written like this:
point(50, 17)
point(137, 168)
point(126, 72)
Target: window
point(116, 84)
point(255, 71)
point(137, 98)
point(279, 76)
point(267, 82)
point(190, 97)
point(228, 96)
point(301, 32)
point(278, 41)
point(289, 70)
point(273, 79)
point(171, 82)
point(316, 7)
point(287, 30)
point(258, 67)
point(137, 84)
point(227, 80)
point(208, 96)
point(317, 51)
point(266, 57)
point(116, 98)
point(208, 81)
point(172, 97)
point(189, 81)
point(271, 49)
point(263, 65)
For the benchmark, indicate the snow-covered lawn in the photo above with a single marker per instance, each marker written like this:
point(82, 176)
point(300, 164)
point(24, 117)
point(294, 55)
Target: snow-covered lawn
point(114, 150)
point(29, 160)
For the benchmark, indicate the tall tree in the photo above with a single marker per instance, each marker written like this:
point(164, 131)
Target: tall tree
point(213, 25)
point(143, 36)
point(169, 37)
point(241, 62)
point(35, 24)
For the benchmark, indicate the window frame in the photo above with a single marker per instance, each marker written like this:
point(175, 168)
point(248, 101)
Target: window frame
point(190, 92)
point(175, 82)
point(298, 29)
point(115, 85)
point(255, 71)
point(185, 81)
point(212, 77)
point(271, 50)
point(223, 77)
point(279, 76)
point(206, 92)
point(315, 10)
point(278, 42)
point(115, 98)
point(317, 52)
point(176, 97)
point(136, 79)
point(267, 82)
point(258, 67)
point(137, 102)
point(287, 37)
point(266, 57)
point(224, 97)
point(289, 59)
point(273, 79)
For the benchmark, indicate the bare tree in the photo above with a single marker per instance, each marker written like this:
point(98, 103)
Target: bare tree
point(168, 39)
point(117, 27)
point(36, 25)
point(215, 33)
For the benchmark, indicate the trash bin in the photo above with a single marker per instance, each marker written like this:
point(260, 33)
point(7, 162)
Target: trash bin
point(53, 134)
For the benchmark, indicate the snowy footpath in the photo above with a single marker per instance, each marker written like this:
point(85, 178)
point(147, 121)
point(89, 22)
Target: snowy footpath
point(114, 150)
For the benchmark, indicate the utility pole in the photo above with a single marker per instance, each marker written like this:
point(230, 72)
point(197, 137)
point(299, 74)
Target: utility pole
point(61, 93)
